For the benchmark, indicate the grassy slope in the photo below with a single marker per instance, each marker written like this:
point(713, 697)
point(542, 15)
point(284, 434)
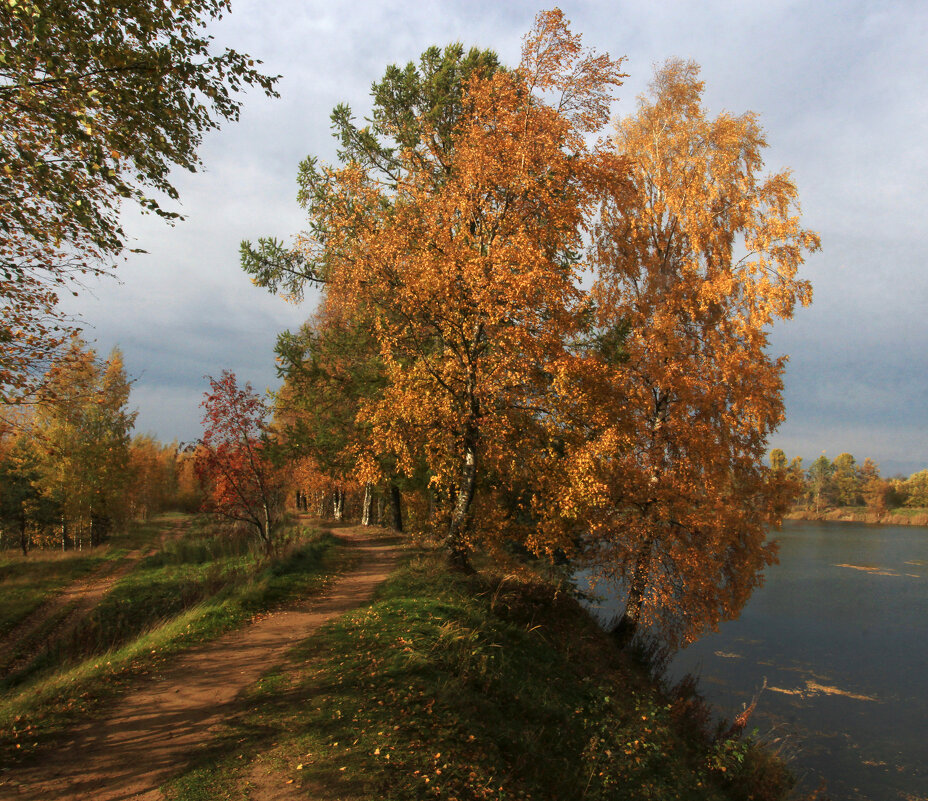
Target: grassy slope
point(26, 582)
point(192, 590)
point(461, 687)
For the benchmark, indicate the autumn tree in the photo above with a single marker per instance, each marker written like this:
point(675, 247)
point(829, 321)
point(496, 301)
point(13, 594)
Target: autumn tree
point(415, 116)
point(329, 366)
point(678, 394)
point(877, 492)
point(188, 493)
point(23, 508)
point(460, 245)
point(819, 484)
point(99, 102)
point(233, 460)
point(82, 425)
point(846, 481)
point(916, 489)
point(778, 462)
point(152, 476)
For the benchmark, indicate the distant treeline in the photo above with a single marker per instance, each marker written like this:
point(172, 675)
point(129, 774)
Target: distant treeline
point(844, 482)
point(70, 470)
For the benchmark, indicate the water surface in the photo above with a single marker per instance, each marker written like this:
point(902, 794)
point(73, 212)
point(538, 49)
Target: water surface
point(840, 633)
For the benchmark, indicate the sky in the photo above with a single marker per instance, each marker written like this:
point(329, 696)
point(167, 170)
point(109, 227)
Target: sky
point(840, 88)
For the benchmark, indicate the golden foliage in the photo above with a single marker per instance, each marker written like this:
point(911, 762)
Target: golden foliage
point(694, 263)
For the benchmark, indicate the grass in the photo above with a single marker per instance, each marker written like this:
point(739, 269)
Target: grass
point(26, 582)
point(471, 687)
point(191, 591)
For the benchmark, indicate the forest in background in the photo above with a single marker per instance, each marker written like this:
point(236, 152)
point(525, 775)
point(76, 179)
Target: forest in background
point(71, 470)
point(844, 483)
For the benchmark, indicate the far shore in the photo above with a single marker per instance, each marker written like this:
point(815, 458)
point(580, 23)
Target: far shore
point(896, 517)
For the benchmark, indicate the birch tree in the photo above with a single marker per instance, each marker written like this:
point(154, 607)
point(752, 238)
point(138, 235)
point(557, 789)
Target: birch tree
point(697, 256)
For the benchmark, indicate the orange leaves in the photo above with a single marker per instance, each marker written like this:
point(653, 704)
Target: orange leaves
point(554, 61)
point(462, 259)
point(233, 461)
point(696, 255)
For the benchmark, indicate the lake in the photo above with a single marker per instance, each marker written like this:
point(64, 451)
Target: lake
point(840, 632)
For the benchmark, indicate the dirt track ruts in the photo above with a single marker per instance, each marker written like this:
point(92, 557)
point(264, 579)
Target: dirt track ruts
point(147, 736)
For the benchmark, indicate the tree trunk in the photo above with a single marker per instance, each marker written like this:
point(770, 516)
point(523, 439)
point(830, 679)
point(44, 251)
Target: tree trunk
point(338, 504)
point(23, 536)
point(268, 543)
point(627, 627)
point(367, 507)
point(456, 541)
point(396, 507)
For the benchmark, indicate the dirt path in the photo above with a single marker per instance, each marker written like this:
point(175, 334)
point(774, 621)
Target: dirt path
point(147, 736)
point(27, 640)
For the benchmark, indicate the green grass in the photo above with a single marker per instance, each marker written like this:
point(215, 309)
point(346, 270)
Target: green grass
point(174, 600)
point(459, 687)
point(26, 582)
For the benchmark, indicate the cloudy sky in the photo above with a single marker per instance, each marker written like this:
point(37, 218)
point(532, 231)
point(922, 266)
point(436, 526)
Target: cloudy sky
point(841, 90)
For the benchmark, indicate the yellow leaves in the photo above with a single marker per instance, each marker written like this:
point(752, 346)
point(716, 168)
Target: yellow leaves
point(696, 256)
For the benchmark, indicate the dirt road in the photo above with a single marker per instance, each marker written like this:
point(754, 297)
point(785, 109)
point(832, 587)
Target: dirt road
point(146, 737)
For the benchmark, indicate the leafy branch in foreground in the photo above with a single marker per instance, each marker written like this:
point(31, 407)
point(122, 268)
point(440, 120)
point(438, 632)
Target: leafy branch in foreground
point(99, 102)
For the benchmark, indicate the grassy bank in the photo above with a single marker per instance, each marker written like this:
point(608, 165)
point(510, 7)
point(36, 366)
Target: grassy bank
point(857, 514)
point(470, 687)
point(26, 582)
point(190, 591)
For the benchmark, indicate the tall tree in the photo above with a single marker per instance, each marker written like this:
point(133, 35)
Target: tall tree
point(916, 489)
point(22, 505)
point(820, 486)
point(416, 112)
point(778, 462)
point(474, 280)
point(330, 367)
point(98, 103)
point(846, 481)
point(877, 492)
point(697, 255)
point(464, 258)
point(233, 460)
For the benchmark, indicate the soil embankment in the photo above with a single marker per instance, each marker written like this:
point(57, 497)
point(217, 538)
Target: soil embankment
point(856, 515)
point(60, 615)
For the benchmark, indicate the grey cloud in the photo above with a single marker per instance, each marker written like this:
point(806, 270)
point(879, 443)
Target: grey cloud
point(839, 88)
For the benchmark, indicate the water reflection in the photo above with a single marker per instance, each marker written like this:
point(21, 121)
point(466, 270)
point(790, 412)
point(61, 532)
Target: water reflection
point(839, 633)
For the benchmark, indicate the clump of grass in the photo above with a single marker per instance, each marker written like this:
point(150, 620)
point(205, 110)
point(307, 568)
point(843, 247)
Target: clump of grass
point(471, 687)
